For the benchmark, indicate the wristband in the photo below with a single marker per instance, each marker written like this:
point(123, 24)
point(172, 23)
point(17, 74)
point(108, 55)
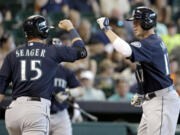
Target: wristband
point(75, 39)
point(73, 33)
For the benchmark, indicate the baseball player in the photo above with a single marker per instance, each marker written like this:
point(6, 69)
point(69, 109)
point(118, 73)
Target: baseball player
point(59, 120)
point(60, 123)
point(162, 104)
point(31, 68)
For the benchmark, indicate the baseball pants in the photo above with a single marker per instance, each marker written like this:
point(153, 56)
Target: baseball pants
point(25, 117)
point(60, 123)
point(160, 115)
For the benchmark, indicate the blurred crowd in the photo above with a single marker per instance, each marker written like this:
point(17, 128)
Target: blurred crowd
point(105, 74)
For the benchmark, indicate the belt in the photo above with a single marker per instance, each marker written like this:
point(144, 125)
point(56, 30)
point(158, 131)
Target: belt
point(31, 99)
point(157, 93)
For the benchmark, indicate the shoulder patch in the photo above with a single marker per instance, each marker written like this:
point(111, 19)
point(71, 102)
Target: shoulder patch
point(136, 44)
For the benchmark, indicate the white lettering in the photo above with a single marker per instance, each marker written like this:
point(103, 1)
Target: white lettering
point(27, 52)
point(30, 52)
point(17, 53)
point(43, 53)
point(58, 82)
point(21, 52)
point(37, 52)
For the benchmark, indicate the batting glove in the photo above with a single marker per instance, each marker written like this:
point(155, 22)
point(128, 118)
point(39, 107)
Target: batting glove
point(137, 100)
point(103, 23)
point(62, 96)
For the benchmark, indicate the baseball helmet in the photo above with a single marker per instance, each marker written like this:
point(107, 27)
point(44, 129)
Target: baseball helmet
point(146, 16)
point(36, 26)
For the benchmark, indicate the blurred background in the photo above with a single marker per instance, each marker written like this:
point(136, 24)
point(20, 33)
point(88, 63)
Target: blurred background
point(107, 78)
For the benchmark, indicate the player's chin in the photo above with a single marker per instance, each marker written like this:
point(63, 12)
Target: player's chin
point(137, 34)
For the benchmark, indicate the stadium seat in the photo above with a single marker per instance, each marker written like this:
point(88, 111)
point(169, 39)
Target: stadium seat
point(18, 35)
point(92, 18)
point(108, 92)
point(30, 5)
point(9, 25)
point(9, 1)
point(54, 17)
point(15, 8)
point(23, 14)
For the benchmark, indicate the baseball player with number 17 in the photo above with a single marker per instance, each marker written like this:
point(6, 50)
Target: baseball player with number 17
point(156, 92)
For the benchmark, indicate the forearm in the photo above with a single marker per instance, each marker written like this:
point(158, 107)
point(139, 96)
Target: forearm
point(75, 37)
point(111, 35)
point(78, 44)
point(68, 26)
point(119, 44)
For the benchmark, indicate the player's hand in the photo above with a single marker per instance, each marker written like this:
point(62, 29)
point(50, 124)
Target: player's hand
point(65, 25)
point(103, 22)
point(137, 100)
point(62, 96)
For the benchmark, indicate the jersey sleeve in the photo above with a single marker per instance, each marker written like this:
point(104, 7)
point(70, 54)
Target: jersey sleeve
point(140, 52)
point(72, 81)
point(5, 75)
point(65, 53)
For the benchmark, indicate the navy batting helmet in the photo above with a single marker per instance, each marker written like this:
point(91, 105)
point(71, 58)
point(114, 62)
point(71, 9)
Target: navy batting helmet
point(36, 27)
point(146, 16)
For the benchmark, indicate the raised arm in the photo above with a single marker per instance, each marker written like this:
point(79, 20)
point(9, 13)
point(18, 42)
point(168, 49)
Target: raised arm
point(77, 42)
point(119, 44)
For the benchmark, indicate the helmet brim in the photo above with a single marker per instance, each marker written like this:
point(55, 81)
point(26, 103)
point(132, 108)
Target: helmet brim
point(130, 19)
point(51, 27)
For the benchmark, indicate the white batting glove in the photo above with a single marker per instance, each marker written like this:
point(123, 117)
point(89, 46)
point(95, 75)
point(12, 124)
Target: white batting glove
point(137, 100)
point(62, 96)
point(103, 23)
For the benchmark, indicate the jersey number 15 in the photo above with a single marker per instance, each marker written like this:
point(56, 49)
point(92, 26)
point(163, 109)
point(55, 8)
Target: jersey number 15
point(33, 67)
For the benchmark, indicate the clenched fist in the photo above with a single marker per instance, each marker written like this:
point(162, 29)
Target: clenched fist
point(65, 25)
point(103, 22)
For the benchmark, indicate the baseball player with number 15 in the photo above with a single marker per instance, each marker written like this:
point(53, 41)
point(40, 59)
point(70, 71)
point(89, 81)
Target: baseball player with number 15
point(32, 68)
point(156, 92)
